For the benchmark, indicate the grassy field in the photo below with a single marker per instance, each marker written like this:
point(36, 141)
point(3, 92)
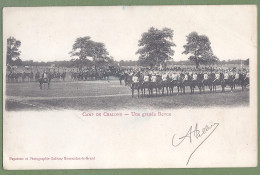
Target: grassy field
point(88, 95)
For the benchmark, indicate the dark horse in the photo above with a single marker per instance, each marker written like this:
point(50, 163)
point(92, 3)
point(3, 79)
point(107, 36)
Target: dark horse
point(45, 80)
point(186, 81)
point(136, 84)
point(121, 77)
point(165, 84)
point(245, 81)
point(218, 81)
point(229, 81)
point(197, 82)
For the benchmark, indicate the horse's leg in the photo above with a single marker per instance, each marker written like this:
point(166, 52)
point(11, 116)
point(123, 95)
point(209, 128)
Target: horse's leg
point(138, 92)
point(132, 92)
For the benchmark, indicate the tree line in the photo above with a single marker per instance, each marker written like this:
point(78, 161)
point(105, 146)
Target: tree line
point(155, 49)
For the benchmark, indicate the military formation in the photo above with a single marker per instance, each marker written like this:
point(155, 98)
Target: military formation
point(90, 74)
point(15, 76)
point(146, 81)
point(159, 81)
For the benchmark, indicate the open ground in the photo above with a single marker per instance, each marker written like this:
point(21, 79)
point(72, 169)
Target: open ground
point(110, 95)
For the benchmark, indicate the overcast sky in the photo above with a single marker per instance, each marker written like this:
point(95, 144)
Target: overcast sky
point(48, 33)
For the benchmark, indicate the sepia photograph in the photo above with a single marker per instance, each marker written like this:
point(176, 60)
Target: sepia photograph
point(87, 60)
point(151, 83)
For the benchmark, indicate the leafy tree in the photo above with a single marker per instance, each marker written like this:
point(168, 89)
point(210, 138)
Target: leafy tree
point(156, 47)
point(13, 52)
point(84, 49)
point(18, 62)
point(81, 49)
point(199, 48)
point(99, 54)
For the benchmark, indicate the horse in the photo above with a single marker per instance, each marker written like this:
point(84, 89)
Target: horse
point(186, 81)
point(128, 79)
point(176, 81)
point(218, 81)
point(208, 81)
point(63, 76)
point(58, 76)
point(37, 76)
point(165, 83)
point(245, 81)
point(238, 80)
point(12, 77)
point(45, 80)
point(156, 83)
point(136, 85)
point(121, 77)
point(193, 82)
point(30, 77)
point(229, 80)
point(197, 80)
point(146, 84)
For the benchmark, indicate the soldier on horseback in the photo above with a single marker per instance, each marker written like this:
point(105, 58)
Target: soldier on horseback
point(165, 82)
point(45, 79)
point(194, 81)
point(45, 75)
point(135, 83)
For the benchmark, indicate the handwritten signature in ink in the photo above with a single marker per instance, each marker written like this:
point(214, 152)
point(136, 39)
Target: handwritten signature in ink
point(202, 134)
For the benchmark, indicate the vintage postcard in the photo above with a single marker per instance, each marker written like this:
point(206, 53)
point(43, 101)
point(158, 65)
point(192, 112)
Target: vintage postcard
point(129, 87)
